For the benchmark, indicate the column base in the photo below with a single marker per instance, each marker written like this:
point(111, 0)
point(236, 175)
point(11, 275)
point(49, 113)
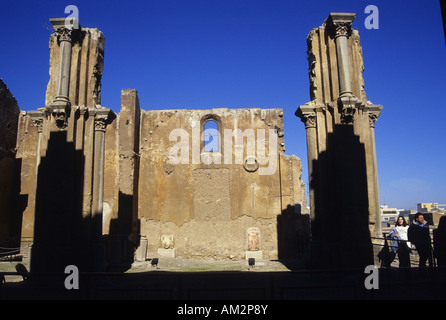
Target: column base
point(141, 252)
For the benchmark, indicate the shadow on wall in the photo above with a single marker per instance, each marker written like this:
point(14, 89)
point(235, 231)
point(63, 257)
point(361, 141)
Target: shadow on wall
point(293, 237)
point(61, 233)
point(12, 205)
point(340, 236)
point(122, 240)
point(340, 227)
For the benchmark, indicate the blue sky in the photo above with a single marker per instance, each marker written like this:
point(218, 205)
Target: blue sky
point(199, 54)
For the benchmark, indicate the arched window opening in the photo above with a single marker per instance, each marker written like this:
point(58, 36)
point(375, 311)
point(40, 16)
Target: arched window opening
point(211, 136)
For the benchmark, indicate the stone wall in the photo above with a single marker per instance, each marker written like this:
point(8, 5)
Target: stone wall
point(200, 209)
point(207, 209)
point(9, 208)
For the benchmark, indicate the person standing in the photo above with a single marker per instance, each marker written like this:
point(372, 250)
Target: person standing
point(418, 234)
point(400, 245)
point(440, 242)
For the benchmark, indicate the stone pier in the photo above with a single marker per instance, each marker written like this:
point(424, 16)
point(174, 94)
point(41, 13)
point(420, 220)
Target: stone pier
point(65, 220)
point(342, 165)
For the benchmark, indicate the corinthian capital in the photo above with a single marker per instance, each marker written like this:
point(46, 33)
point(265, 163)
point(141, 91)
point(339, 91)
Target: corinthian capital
point(374, 113)
point(64, 27)
point(342, 29)
point(100, 123)
point(37, 119)
point(373, 116)
point(102, 117)
point(340, 23)
point(63, 33)
point(307, 114)
point(309, 120)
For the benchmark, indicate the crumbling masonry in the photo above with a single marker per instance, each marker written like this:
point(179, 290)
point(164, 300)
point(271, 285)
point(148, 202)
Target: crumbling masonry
point(342, 165)
point(103, 188)
point(94, 188)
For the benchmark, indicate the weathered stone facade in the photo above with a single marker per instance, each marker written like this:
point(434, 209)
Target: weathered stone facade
point(90, 187)
point(206, 208)
point(105, 187)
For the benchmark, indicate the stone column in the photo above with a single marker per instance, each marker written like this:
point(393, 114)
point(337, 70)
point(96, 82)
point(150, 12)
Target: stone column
point(80, 127)
point(100, 124)
point(60, 107)
point(102, 117)
point(37, 120)
point(374, 113)
point(341, 23)
point(308, 116)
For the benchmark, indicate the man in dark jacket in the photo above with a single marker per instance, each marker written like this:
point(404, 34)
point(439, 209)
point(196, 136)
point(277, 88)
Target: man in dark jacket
point(418, 234)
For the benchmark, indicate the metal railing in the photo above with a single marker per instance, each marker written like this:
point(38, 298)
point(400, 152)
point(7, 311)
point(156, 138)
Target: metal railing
point(413, 254)
point(12, 248)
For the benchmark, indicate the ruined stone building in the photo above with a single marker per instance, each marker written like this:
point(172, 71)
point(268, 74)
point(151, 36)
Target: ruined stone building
point(87, 186)
point(94, 185)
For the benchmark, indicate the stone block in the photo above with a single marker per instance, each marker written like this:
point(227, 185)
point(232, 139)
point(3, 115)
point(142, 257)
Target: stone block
point(167, 253)
point(258, 255)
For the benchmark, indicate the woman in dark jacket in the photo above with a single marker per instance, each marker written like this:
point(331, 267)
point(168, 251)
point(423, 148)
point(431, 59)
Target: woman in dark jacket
point(440, 242)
